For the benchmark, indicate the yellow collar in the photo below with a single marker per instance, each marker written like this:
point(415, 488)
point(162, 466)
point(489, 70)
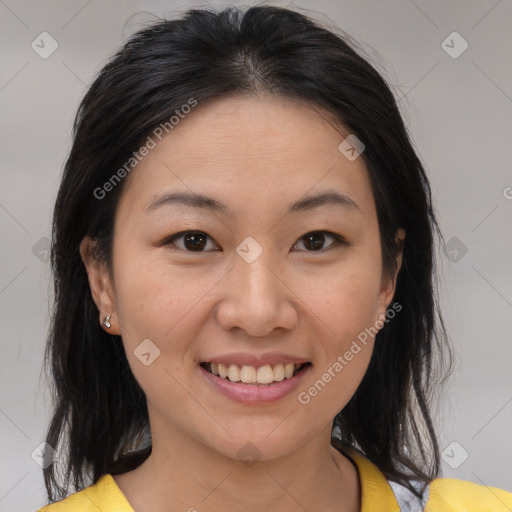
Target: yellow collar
point(376, 494)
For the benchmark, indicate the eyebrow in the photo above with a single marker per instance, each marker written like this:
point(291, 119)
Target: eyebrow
point(328, 197)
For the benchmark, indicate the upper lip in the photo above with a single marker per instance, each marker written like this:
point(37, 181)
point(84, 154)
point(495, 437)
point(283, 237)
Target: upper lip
point(271, 358)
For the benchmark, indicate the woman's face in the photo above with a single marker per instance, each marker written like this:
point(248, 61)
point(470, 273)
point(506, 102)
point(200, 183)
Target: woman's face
point(250, 287)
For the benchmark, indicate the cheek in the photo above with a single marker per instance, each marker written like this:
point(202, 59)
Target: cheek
point(158, 303)
point(156, 300)
point(344, 305)
point(346, 298)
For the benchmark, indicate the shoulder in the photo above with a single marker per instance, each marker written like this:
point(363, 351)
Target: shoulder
point(441, 495)
point(447, 494)
point(104, 495)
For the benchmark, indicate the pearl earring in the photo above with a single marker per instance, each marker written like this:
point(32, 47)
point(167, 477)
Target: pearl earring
point(106, 321)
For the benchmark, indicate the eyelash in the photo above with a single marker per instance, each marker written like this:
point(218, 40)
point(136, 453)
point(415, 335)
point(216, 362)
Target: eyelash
point(338, 239)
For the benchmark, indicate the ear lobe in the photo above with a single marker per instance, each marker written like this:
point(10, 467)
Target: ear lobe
point(99, 282)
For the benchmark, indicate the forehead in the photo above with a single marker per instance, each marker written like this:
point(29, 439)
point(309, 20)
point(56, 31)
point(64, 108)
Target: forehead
point(244, 149)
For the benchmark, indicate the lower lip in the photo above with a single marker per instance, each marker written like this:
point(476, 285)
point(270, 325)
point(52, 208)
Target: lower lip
point(255, 394)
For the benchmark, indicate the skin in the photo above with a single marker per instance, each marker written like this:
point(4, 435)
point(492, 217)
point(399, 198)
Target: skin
point(257, 155)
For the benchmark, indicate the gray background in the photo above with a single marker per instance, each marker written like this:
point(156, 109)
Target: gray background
point(458, 111)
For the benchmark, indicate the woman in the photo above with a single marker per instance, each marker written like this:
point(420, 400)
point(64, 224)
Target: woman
point(245, 313)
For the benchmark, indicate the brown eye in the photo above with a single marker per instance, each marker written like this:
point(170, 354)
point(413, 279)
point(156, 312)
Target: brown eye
point(193, 241)
point(315, 240)
point(197, 241)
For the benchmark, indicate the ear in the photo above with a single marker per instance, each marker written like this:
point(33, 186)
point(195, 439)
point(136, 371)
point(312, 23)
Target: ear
point(100, 283)
point(388, 283)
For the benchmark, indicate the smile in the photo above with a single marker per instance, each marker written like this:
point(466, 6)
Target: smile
point(246, 374)
point(269, 383)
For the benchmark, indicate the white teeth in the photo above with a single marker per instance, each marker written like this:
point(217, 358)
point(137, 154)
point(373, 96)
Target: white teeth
point(288, 370)
point(265, 374)
point(233, 373)
point(279, 372)
point(248, 374)
point(223, 371)
point(251, 375)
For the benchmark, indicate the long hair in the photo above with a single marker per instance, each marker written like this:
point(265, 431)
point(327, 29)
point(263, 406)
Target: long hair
point(100, 412)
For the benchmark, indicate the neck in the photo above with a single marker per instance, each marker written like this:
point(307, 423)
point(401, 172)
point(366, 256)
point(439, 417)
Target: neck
point(184, 474)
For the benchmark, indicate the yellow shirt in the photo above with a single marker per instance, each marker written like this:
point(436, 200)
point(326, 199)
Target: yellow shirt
point(445, 495)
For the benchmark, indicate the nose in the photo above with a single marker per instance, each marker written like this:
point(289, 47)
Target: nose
point(257, 299)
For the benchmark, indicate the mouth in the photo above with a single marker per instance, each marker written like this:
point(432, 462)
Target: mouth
point(265, 375)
